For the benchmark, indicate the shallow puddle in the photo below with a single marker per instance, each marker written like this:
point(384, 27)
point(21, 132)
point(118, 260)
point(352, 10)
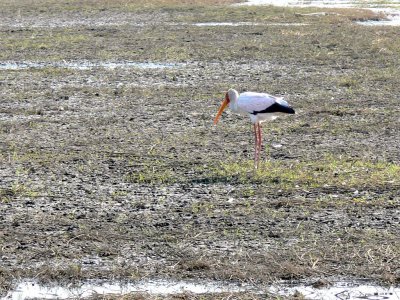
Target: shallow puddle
point(392, 18)
point(31, 289)
point(323, 3)
point(340, 291)
point(83, 65)
point(392, 14)
point(246, 24)
point(225, 24)
point(337, 291)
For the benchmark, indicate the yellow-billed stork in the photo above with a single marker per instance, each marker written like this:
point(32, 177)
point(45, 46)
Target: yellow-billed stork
point(259, 107)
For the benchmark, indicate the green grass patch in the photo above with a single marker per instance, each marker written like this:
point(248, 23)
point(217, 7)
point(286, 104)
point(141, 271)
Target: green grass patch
point(152, 175)
point(328, 172)
point(17, 190)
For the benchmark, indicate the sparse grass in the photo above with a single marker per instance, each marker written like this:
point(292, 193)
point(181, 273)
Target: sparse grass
point(37, 42)
point(180, 45)
point(17, 189)
point(154, 173)
point(349, 81)
point(135, 173)
point(328, 172)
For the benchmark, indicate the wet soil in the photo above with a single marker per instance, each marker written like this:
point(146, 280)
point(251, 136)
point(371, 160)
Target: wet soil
point(119, 173)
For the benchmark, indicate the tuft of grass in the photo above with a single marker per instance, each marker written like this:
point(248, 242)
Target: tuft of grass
point(348, 81)
point(72, 272)
point(16, 190)
point(151, 175)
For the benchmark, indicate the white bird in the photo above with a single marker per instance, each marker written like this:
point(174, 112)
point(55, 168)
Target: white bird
point(259, 107)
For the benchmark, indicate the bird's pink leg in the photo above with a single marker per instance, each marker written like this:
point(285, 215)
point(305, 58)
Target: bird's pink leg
point(255, 145)
point(259, 144)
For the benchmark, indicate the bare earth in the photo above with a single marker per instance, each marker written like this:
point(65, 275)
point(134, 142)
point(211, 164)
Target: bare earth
point(118, 173)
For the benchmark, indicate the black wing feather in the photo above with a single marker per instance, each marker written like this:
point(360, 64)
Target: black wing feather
point(276, 108)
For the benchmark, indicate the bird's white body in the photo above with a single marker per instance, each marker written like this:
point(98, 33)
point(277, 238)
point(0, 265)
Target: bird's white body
point(249, 102)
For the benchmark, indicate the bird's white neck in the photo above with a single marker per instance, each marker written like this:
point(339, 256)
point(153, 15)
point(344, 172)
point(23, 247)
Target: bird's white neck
point(233, 96)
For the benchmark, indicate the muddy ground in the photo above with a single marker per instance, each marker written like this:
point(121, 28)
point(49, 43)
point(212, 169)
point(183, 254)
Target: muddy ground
point(120, 174)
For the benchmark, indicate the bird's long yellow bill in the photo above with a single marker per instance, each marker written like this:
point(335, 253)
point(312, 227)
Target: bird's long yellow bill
point(221, 109)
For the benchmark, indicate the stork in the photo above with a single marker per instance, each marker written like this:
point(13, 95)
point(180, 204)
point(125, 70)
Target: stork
point(259, 107)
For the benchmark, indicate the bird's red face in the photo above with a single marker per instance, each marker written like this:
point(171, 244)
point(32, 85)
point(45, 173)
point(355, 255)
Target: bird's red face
point(221, 108)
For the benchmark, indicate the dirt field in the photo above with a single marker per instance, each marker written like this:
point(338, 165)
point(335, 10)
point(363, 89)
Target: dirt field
point(118, 173)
